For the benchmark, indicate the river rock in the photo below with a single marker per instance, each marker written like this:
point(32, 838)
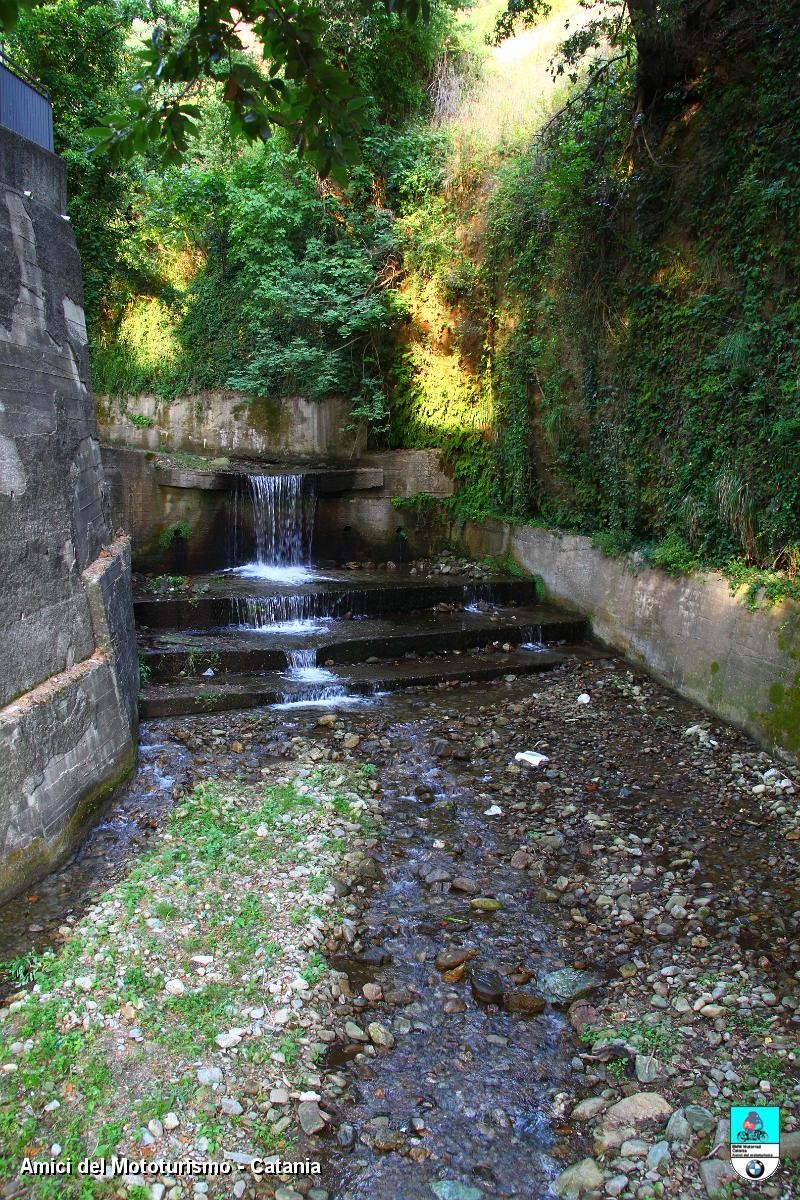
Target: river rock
point(210, 1076)
point(485, 904)
point(564, 986)
point(380, 1036)
point(587, 1110)
point(678, 1128)
point(226, 1041)
point(487, 986)
point(576, 1181)
point(648, 1068)
point(448, 960)
point(616, 1185)
point(451, 1189)
point(310, 1117)
point(700, 1119)
point(346, 1136)
point(525, 1003)
point(387, 1140)
point(659, 1158)
point(463, 884)
point(717, 1177)
point(637, 1111)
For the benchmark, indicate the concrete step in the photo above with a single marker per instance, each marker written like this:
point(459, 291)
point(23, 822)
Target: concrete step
point(172, 655)
point(222, 600)
point(251, 690)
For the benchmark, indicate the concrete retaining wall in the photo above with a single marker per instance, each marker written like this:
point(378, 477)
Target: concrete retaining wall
point(68, 684)
point(234, 425)
point(148, 499)
point(741, 665)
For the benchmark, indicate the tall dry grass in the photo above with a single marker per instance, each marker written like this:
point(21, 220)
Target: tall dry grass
point(499, 106)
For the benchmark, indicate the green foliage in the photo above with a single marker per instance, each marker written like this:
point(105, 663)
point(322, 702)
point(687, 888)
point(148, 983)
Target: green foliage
point(764, 588)
point(623, 315)
point(179, 531)
point(673, 556)
point(674, 421)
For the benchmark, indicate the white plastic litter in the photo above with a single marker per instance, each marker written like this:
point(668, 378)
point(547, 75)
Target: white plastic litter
point(208, 672)
point(494, 810)
point(584, 698)
point(531, 758)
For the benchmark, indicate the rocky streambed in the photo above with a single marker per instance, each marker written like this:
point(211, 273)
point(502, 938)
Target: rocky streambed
point(455, 974)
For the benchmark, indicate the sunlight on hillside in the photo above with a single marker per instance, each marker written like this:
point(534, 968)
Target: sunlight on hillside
point(515, 89)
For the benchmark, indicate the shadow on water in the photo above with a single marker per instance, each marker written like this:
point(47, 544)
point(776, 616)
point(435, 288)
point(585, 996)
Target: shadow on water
point(467, 1090)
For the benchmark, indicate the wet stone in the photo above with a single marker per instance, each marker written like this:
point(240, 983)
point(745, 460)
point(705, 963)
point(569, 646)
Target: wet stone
point(451, 1189)
point(487, 986)
point(566, 985)
point(525, 1003)
point(447, 960)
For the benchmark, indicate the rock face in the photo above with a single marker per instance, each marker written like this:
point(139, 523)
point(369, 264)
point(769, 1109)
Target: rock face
point(70, 674)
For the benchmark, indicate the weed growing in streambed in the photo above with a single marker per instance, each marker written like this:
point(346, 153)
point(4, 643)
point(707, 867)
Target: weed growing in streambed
point(217, 930)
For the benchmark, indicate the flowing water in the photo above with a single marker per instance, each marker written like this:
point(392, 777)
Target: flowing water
point(283, 510)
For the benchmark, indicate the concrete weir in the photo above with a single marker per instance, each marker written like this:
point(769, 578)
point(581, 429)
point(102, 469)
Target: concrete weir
point(69, 680)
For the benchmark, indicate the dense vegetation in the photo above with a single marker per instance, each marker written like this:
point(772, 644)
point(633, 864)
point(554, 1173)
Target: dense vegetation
point(620, 321)
point(584, 291)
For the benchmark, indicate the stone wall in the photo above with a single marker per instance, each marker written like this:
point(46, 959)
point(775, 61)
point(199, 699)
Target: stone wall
point(68, 685)
point(742, 665)
point(233, 425)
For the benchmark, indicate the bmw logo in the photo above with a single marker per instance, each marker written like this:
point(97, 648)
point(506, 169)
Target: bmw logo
point(755, 1168)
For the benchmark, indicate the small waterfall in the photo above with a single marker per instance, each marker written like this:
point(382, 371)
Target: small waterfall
point(318, 683)
point(279, 519)
point(282, 509)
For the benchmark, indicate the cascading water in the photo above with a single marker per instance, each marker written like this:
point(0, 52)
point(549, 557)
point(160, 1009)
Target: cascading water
point(283, 510)
point(318, 682)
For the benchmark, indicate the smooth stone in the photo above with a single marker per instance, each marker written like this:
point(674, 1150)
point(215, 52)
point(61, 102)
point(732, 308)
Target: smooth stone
point(487, 986)
point(585, 1176)
point(462, 884)
point(641, 1108)
point(587, 1109)
point(448, 960)
point(380, 1036)
point(526, 1003)
point(451, 1189)
point(485, 904)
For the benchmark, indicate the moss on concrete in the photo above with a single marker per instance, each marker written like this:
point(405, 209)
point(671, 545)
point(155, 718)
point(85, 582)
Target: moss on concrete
point(24, 866)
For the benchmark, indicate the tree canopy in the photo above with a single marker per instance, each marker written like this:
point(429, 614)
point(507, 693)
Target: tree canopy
point(302, 84)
